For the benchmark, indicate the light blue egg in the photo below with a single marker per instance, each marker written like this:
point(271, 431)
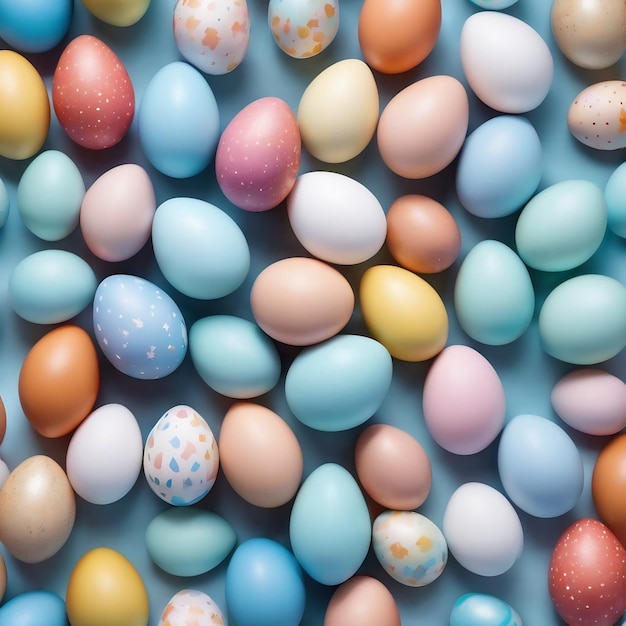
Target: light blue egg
point(178, 121)
point(49, 195)
point(34, 25)
point(500, 164)
point(200, 249)
point(540, 466)
point(189, 541)
point(264, 585)
point(493, 294)
point(482, 609)
point(494, 5)
point(583, 320)
point(615, 196)
point(138, 326)
point(34, 608)
point(340, 383)
point(562, 226)
point(51, 286)
point(329, 528)
point(234, 356)
point(5, 204)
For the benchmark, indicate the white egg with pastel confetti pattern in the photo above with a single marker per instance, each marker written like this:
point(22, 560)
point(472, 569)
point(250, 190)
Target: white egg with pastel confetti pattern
point(410, 547)
point(181, 459)
point(190, 607)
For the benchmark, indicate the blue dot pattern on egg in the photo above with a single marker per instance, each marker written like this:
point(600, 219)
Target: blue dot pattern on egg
point(139, 328)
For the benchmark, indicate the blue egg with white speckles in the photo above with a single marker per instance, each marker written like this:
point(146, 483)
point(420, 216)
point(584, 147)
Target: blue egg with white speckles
point(138, 326)
point(482, 609)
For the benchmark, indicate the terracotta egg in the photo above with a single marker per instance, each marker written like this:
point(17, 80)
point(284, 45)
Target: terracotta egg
point(3, 578)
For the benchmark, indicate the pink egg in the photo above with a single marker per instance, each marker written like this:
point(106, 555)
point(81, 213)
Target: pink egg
point(463, 401)
point(258, 155)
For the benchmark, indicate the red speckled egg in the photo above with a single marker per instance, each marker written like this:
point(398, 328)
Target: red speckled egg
point(258, 155)
point(587, 575)
point(92, 94)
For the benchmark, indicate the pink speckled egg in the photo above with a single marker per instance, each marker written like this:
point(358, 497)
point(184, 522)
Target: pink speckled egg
point(258, 155)
point(190, 606)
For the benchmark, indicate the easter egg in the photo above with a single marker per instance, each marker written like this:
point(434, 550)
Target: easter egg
point(92, 94)
point(212, 36)
point(587, 574)
point(49, 195)
point(104, 455)
point(264, 584)
point(329, 526)
point(336, 218)
point(190, 604)
point(216, 258)
point(615, 196)
point(3, 420)
point(118, 12)
point(403, 312)
point(138, 327)
point(5, 205)
point(340, 383)
point(258, 155)
point(25, 105)
point(410, 547)
point(51, 286)
point(483, 609)
point(34, 607)
point(493, 5)
point(105, 583)
point(188, 541)
point(178, 121)
point(37, 509)
point(181, 457)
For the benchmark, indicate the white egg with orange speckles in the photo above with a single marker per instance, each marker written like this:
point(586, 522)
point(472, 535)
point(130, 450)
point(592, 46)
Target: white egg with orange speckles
point(190, 606)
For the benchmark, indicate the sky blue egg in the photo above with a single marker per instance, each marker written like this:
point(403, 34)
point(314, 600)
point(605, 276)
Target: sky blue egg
point(583, 320)
point(178, 121)
point(264, 585)
point(49, 195)
point(615, 195)
point(34, 25)
point(5, 204)
point(330, 528)
point(34, 608)
point(340, 383)
point(540, 466)
point(51, 286)
point(500, 165)
point(138, 326)
point(234, 356)
point(493, 294)
point(482, 609)
point(200, 249)
point(494, 5)
point(562, 226)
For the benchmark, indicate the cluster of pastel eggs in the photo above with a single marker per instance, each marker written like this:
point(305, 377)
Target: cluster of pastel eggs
point(337, 381)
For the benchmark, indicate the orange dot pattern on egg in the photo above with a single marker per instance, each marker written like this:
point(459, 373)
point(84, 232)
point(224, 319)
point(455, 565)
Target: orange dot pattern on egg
point(622, 120)
point(398, 550)
point(211, 38)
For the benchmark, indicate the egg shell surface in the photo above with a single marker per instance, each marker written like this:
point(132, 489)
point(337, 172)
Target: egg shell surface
point(34, 607)
point(483, 609)
point(3, 567)
point(3, 419)
point(190, 604)
point(615, 196)
point(5, 204)
point(118, 12)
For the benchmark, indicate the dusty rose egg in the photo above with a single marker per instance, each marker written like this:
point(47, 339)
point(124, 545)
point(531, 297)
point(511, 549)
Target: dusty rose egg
point(258, 155)
point(92, 94)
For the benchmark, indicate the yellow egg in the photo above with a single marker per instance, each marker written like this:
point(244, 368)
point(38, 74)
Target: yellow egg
point(105, 589)
point(403, 312)
point(25, 107)
point(118, 12)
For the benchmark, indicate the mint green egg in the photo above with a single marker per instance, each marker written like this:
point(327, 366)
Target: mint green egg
point(4, 204)
point(562, 226)
point(51, 286)
point(189, 541)
point(583, 320)
point(49, 195)
point(615, 194)
point(493, 294)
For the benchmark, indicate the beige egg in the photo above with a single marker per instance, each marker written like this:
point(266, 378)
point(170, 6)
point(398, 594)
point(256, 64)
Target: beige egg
point(37, 509)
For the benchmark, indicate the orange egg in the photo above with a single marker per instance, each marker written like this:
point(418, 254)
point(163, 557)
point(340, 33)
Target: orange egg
point(59, 381)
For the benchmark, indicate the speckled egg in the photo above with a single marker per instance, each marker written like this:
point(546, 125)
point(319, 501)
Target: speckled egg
point(191, 606)
point(181, 459)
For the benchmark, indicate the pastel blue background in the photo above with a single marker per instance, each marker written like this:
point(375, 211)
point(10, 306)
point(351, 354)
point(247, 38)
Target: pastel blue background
point(527, 373)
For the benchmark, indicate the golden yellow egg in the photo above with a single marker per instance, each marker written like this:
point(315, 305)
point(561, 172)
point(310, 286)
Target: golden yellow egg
point(118, 12)
point(403, 312)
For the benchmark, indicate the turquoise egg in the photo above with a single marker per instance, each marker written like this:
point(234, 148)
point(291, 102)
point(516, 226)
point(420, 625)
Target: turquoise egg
point(562, 226)
point(615, 195)
point(51, 286)
point(178, 121)
point(200, 249)
point(234, 356)
point(583, 320)
point(34, 608)
point(539, 466)
point(493, 294)
point(329, 527)
point(340, 383)
point(4, 204)
point(49, 195)
point(482, 609)
point(500, 164)
point(189, 541)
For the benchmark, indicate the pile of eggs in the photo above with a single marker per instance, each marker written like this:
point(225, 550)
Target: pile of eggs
point(395, 235)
